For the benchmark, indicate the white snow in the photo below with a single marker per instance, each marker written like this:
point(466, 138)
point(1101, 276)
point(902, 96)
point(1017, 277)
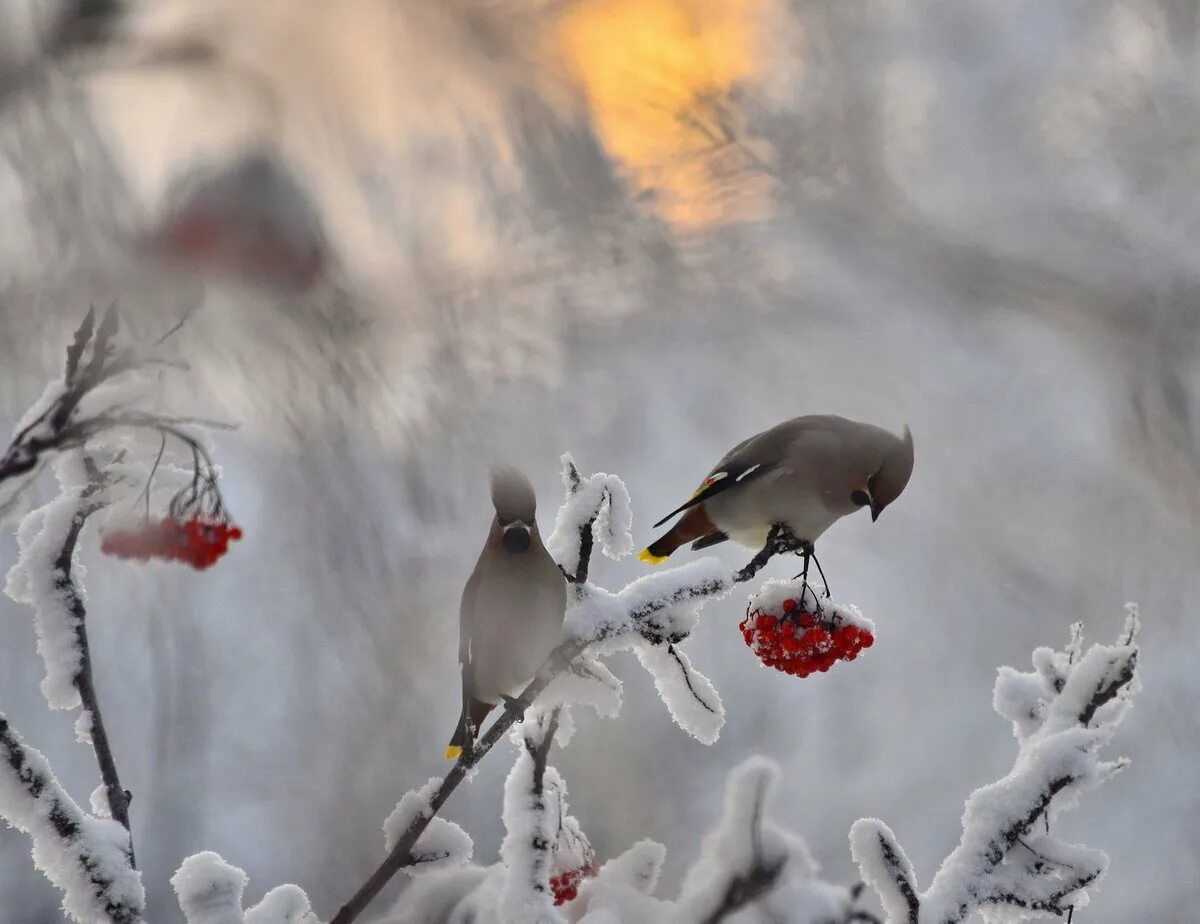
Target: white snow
point(452, 896)
point(743, 841)
point(285, 904)
point(587, 682)
point(85, 857)
point(690, 697)
point(99, 802)
point(83, 727)
point(883, 866)
point(441, 844)
point(663, 604)
point(622, 891)
point(599, 496)
point(36, 580)
point(530, 823)
point(771, 596)
point(209, 889)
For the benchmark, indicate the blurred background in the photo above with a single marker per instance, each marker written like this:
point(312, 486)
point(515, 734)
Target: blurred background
point(410, 239)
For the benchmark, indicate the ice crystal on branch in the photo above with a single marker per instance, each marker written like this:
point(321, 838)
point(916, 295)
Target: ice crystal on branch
point(1063, 713)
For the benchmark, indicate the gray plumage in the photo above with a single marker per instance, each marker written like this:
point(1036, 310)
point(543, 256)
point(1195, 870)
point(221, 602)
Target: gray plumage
point(807, 472)
point(510, 619)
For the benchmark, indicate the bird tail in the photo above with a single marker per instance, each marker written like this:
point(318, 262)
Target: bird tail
point(478, 711)
point(695, 524)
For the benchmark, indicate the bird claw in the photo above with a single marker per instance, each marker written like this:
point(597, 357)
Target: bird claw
point(513, 705)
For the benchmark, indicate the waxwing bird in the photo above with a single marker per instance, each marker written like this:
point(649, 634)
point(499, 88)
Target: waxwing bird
point(805, 473)
point(511, 615)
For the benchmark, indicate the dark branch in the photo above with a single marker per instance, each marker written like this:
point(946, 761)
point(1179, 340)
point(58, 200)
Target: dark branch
point(118, 796)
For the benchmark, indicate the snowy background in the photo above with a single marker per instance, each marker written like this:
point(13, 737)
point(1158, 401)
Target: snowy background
point(980, 220)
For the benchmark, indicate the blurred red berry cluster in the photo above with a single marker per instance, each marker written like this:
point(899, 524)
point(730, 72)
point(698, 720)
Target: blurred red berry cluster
point(801, 643)
point(194, 542)
point(565, 885)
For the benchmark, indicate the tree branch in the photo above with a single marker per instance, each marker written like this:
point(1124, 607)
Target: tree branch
point(53, 814)
point(118, 796)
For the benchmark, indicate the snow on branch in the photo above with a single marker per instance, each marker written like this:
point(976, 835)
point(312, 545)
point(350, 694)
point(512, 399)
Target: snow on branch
point(44, 578)
point(595, 508)
point(88, 858)
point(748, 860)
point(441, 844)
point(532, 810)
point(209, 891)
point(743, 858)
point(1063, 713)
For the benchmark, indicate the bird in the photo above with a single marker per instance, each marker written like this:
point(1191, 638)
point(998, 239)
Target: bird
point(805, 474)
point(511, 614)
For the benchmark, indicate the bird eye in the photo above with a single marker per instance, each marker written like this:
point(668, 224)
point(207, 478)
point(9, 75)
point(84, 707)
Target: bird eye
point(860, 498)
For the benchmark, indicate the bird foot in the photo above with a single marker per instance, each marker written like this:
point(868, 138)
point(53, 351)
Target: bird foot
point(515, 706)
point(780, 541)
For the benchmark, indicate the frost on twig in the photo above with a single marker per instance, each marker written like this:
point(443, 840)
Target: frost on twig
point(209, 891)
point(441, 844)
point(1063, 713)
point(87, 858)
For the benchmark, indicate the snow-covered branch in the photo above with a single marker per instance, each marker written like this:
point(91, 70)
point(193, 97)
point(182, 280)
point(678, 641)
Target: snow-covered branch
point(88, 858)
point(44, 577)
point(531, 815)
point(1063, 713)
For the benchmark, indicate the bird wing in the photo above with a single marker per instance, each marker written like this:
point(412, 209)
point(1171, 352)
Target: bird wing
point(749, 459)
point(467, 617)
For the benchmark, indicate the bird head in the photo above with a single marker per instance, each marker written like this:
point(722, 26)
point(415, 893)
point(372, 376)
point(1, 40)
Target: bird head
point(516, 508)
point(887, 482)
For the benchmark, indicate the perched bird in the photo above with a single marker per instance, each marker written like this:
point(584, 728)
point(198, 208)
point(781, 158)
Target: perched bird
point(805, 473)
point(511, 615)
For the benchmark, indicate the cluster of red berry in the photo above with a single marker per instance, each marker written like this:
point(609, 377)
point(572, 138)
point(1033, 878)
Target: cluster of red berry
point(801, 643)
point(193, 541)
point(565, 885)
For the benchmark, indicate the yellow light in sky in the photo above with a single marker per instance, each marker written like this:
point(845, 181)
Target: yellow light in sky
point(658, 75)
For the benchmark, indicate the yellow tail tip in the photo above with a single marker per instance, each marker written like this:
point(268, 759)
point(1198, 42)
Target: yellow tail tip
point(453, 752)
point(650, 558)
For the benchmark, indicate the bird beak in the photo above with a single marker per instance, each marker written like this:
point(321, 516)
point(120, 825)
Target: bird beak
point(876, 509)
point(516, 537)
